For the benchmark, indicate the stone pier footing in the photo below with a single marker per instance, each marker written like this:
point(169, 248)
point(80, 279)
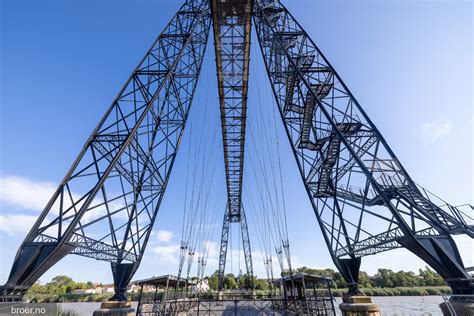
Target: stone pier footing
point(358, 306)
point(115, 308)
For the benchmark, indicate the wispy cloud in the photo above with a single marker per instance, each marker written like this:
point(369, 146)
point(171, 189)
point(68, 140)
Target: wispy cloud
point(167, 253)
point(434, 131)
point(164, 235)
point(19, 197)
point(16, 224)
point(22, 193)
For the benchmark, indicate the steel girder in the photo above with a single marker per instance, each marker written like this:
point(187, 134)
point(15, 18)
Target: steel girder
point(363, 198)
point(232, 24)
point(224, 246)
point(108, 201)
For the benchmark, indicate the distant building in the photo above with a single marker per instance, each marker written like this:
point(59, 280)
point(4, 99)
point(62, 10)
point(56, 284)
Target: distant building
point(133, 288)
point(98, 289)
point(86, 291)
point(202, 286)
point(108, 289)
point(149, 289)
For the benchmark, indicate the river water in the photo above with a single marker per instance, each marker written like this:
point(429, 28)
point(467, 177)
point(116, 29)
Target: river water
point(389, 305)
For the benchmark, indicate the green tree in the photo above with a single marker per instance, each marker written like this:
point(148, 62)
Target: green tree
point(62, 280)
point(431, 278)
point(214, 281)
point(364, 279)
point(244, 282)
point(406, 279)
point(229, 282)
point(36, 288)
point(384, 278)
point(261, 284)
point(338, 281)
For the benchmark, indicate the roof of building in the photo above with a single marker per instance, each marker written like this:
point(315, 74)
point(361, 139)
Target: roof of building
point(165, 280)
point(306, 277)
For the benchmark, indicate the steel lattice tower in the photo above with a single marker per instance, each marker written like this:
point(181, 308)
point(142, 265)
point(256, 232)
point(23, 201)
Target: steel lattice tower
point(364, 200)
point(232, 22)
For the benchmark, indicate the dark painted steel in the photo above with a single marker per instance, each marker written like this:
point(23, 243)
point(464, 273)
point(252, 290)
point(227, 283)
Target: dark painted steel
point(232, 26)
point(108, 201)
point(363, 198)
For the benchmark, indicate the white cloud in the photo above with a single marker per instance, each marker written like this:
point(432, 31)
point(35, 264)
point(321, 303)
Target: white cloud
point(167, 253)
point(434, 131)
point(25, 194)
point(164, 235)
point(16, 224)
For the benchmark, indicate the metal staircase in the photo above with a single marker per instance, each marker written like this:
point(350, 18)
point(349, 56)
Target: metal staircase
point(451, 219)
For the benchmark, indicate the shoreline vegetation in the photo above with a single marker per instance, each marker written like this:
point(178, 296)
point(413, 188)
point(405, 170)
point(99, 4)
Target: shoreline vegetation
point(385, 282)
point(91, 298)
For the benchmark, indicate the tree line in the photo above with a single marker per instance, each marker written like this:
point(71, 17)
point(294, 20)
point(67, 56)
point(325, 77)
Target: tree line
point(59, 285)
point(384, 278)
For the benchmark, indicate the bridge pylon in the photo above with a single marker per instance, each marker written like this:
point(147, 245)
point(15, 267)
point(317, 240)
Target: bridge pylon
point(363, 198)
point(107, 203)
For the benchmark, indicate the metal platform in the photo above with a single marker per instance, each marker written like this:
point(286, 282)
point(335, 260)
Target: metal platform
point(299, 294)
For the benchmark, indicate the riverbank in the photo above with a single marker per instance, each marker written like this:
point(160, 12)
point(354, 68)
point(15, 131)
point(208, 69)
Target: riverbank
point(400, 291)
point(394, 305)
point(396, 291)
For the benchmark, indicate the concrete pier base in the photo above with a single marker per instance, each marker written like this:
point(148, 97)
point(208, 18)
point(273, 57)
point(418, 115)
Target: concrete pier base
point(115, 308)
point(358, 306)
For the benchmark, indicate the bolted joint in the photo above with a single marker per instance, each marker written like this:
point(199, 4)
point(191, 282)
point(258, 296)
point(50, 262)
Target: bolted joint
point(119, 295)
point(353, 290)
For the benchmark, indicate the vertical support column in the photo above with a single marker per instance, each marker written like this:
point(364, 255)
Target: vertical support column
point(223, 248)
point(247, 250)
point(355, 302)
point(122, 273)
point(349, 269)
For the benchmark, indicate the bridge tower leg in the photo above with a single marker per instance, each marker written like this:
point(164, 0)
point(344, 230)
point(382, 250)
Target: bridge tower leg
point(364, 200)
point(107, 203)
point(223, 250)
point(242, 221)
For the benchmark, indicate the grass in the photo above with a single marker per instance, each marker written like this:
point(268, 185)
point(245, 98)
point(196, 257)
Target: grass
point(400, 291)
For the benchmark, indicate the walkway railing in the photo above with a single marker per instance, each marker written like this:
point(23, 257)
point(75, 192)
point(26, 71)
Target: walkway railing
point(243, 306)
point(458, 305)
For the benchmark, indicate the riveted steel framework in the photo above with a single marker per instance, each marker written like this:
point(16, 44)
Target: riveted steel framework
point(232, 23)
point(115, 187)
point(363, 198)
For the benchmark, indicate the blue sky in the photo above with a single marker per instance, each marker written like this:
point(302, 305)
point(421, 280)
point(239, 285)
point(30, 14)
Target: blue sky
point(409, 64)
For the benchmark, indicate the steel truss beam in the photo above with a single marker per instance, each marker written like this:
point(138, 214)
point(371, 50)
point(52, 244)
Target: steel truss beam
point(115, 186)
point(363, 198)
point(224, 247)
point(232, 23)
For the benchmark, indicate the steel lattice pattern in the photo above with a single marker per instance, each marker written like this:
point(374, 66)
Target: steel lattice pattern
point(364, 200)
